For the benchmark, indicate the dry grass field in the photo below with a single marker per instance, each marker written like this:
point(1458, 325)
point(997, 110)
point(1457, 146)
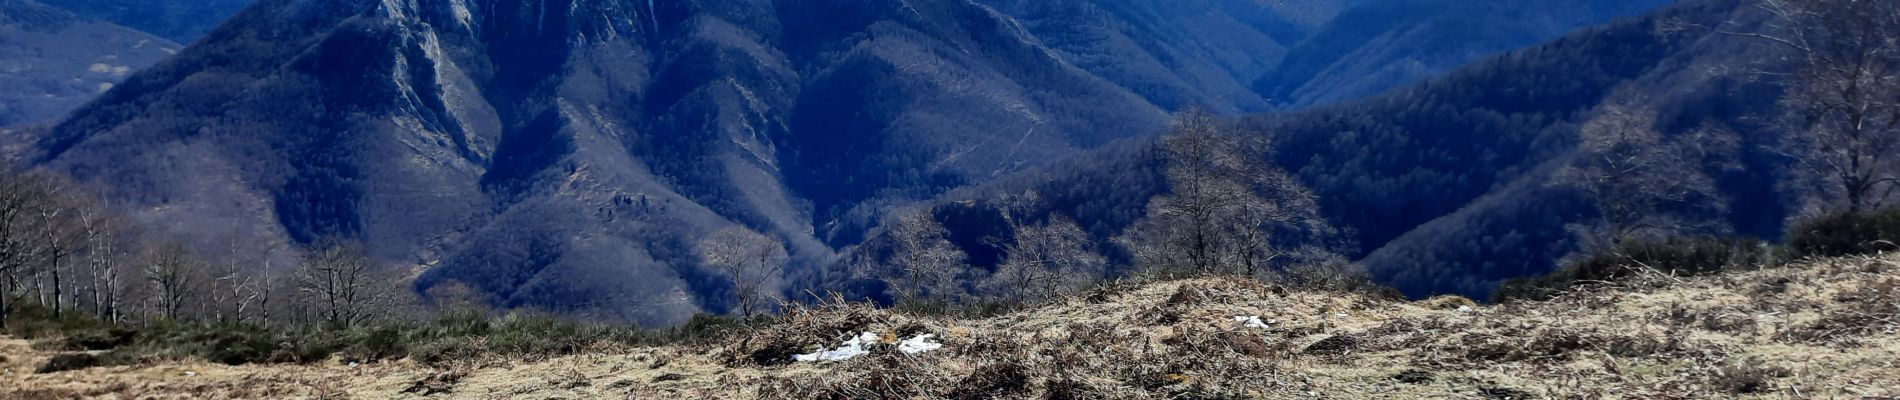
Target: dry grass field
point(1822, 329)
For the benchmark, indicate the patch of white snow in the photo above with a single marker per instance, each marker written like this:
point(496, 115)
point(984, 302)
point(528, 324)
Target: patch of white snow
point(851, 348)
point(1251, 321)
point(920, 344)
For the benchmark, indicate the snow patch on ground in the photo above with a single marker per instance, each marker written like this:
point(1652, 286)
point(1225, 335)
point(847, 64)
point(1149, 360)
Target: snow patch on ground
point(1251, 321)
point(920, 344)
point(860, 345)
point(851, 348)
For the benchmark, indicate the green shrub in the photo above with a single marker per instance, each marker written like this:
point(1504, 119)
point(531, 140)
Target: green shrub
point(1847, 234)
point(1677, 257)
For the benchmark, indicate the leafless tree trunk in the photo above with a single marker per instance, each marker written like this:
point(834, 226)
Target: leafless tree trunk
point(751, 260)
point(1645, 186)
point(1042, 260)
point(1225, 200)
point(239, 289)
point(22, 196)
point(923, 259)
point(343, 282)
point(102, 235)
point(59, 236)
point(175, 277)
point(1845, 94)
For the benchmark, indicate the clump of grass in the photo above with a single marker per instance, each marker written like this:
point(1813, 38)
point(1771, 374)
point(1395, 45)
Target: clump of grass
point(991, 381)
point(1870, 309)
point(453, 338)
point(1748, 377)
point(69, 362)
point(802, 326)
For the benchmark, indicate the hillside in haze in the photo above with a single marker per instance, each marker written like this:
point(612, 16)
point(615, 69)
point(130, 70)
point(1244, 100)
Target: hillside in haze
point(572, 157)
point(52, 61)
point(544, 156)
point(182, 21)
point(1454, 185)
point(1377, 45)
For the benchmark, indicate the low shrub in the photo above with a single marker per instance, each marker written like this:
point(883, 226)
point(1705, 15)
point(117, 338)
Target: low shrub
point(100, 339)
point(1847, 234)
point(31, 320)
point(375, 344)
point(69, 362)
point(1676, 257)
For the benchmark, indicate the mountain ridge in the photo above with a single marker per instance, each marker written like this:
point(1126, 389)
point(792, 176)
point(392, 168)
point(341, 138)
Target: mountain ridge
point(567, 157)
point(549, 165)
point(53, 61)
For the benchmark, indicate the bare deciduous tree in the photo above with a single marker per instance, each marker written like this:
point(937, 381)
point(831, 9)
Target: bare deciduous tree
point(923, 261)
point(1845, 95)
point(1224, 204)
point(15, 210)
point(106, 246)
point(176, 278)
point(1646, 186)
point(58, 237)
point(1046, 260)
point(343, 283)
point(242, 281)
point(751, 260)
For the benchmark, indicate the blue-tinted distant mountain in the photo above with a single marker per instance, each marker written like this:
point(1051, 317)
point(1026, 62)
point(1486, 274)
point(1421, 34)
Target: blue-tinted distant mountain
point(1377, 45)
point(567, 157)
point(52, 61)
point(1446, 183)
point(1174, 53)
point(182, 21)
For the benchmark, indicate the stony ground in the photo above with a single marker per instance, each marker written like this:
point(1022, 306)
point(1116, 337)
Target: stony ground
point(1824, 329)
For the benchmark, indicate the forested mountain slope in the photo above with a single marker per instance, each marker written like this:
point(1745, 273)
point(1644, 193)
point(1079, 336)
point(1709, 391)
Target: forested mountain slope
point(52, 61)
point(182, 21)
point(1174, 53)
point(570, 156)
point(1453, 185)
point(1377, 45)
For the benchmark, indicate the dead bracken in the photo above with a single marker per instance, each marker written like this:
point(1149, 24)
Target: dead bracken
point(1826, 331)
